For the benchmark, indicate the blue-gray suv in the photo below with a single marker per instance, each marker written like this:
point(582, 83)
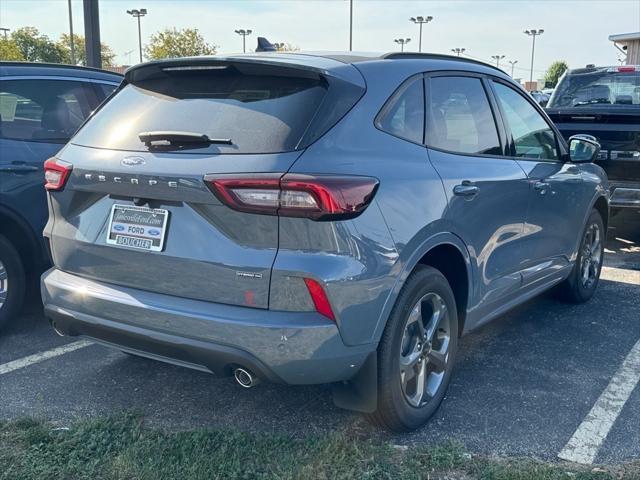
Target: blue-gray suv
point(318, 219)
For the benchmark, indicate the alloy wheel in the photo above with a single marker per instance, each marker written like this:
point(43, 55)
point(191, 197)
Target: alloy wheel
point(424, 351)
point(591, 256)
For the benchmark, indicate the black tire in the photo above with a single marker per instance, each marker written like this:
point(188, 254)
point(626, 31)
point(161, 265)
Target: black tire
point(395, 411)
point(575, 289)
point(11, 272)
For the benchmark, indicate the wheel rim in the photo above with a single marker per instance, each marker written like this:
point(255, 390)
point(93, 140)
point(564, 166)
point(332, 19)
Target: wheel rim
point(4, 285)
point(424, 351)
point(591, 257)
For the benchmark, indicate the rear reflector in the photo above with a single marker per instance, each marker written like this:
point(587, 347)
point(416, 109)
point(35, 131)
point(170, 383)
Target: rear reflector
point(56, 173)
point(318, 197)
point(319, 298)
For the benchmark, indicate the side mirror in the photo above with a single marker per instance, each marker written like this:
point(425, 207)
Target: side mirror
point(583, 148)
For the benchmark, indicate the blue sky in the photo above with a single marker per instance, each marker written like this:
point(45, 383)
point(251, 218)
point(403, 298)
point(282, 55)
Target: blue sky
point(575, 30)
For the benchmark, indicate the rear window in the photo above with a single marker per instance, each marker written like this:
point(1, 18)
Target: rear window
point(259, 113)
point(602, 87)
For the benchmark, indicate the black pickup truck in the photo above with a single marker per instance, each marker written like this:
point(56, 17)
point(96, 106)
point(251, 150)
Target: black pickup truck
point(605, 102)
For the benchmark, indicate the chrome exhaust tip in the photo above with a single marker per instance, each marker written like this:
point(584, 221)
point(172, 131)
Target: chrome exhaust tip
point(245, 378)
point(57, 330)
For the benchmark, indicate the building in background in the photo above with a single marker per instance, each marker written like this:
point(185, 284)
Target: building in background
point(629, 43)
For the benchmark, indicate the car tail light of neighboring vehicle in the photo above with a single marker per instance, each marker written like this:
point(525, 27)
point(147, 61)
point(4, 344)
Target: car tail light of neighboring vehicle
point(56, 173)
point(318, 197)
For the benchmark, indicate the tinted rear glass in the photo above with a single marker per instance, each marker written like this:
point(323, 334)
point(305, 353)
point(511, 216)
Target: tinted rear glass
point(259, 113)
point(598, 88)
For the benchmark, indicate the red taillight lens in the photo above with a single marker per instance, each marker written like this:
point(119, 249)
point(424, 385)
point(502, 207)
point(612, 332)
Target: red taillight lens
point(56, 173)
point(319, 197)
point(319, 297)
point(629, 68)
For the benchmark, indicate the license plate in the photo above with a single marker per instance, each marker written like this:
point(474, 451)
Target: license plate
point(137, 227)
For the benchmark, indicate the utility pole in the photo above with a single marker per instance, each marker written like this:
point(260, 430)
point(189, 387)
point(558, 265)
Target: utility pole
point(458, 51)
point(244, 33)
point(497, 58)
point(402, 42)
point(421, 21)
point(350, 25)
point(513, 64)
point(137, 13)
point(4, 30)
point(92, 33)
point(71, 42)
point(533, 33)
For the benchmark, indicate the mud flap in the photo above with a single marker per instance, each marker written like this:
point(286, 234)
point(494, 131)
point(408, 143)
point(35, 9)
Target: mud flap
point(360, 393)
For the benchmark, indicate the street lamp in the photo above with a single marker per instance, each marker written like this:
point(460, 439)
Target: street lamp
point(4, 30)
point(137, 13)
point(458, 51)
point(513, 64)
point(421, 21)
point(71, 43)
point(533, 33)
point(350, 25)
point(402, 42)
point(244, 33)
point(497, 58)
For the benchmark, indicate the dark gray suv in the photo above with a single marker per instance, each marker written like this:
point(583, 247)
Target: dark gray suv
point(318, 219)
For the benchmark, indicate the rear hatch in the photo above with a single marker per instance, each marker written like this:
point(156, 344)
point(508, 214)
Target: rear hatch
point(605, 103)
point(136, 210)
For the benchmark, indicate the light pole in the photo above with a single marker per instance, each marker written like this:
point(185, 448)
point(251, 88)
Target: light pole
point(128, 55)
point(137, 14)
point(513, 64)
point(244, 33)
point(350, 25)
point(533, 33)
point(4, 30)
point(497, 58)
point(71, 45)
point(458, 51)
point(421, 21)
point(402, 42)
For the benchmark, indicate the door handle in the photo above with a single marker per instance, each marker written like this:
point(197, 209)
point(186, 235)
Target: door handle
point(18, 168)
point(465, 189)
point(541, 187)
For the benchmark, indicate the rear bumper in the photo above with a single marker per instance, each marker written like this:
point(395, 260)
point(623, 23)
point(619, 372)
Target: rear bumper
point(624, 194)
point(287, 347)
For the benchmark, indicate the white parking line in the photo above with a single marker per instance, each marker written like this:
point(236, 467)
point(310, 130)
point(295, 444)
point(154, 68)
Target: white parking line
point(586, 441)
point(41, 356)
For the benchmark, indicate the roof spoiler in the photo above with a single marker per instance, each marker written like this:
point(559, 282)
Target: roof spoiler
point(265, 45)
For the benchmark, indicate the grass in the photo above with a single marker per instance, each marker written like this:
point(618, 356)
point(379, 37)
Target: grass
point(123, 447)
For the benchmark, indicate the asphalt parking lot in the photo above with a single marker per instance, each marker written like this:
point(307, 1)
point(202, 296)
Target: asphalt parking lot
point(527, 384)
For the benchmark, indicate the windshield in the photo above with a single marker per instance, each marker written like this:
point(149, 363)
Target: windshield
point(258, 113)
point(602, 87)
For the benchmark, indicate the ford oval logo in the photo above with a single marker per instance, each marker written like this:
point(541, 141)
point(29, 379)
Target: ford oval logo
point(132, 161)
point(118, 228)
point(153, 232)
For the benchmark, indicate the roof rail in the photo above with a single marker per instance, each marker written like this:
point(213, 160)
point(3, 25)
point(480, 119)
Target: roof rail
point(437, 56)
point(12, 63)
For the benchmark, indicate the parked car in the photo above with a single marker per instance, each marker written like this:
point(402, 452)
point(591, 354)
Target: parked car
point(605, 102)
point(41, 106)
point(540, 97)
point(315, 219)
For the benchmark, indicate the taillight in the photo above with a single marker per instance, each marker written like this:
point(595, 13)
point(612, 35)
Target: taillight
point(627, 68)
point(56, 173)
point(320, 299)
point(318, 197)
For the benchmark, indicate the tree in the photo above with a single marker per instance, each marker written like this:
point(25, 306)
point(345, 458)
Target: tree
point(35, 47)
point(78, 46)
point(9, 50)
point(555, 71)
point(172, 43)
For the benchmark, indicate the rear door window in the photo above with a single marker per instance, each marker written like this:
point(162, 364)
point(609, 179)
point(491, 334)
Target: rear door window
point(460, 118)
point(258, 113)
point(44, 110)
point(532, 135)
point(403, 115)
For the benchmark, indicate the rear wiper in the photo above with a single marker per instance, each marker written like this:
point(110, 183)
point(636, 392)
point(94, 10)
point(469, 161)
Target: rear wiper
point(163, 138)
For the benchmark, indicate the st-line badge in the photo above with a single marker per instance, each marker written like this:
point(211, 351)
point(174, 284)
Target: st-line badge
point(137, 227)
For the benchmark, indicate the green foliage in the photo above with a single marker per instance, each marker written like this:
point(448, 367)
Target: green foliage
point(555, 71)
point(9, 50)
point(35, 47)
point(173, 43)
point(79, 51)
